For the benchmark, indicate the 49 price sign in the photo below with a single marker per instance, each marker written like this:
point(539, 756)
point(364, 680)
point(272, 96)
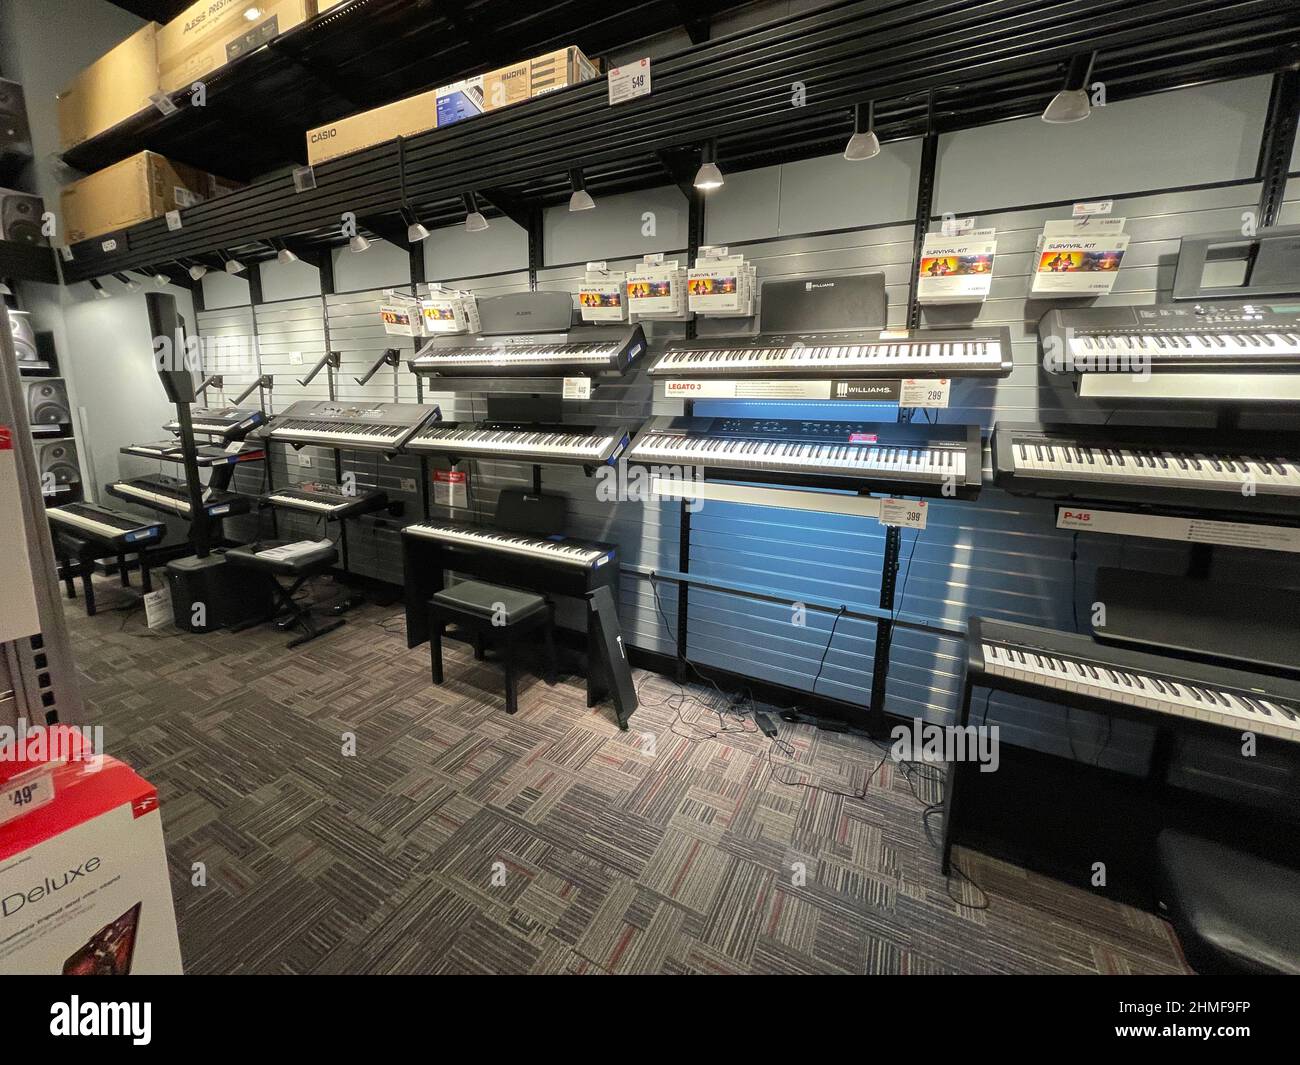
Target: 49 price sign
point(25, 793)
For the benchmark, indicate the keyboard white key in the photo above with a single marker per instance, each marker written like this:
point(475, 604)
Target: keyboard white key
point(906, 356)
point(925, 463)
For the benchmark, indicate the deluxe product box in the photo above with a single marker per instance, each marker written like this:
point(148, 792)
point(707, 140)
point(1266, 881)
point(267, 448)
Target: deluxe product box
point(84, 887)
point(145, 186)
point(402, 118)
point(114, 87)
point(208, 35)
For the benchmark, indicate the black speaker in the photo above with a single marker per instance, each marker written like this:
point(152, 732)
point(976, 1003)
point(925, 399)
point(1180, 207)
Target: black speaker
point(20, 217)
point(47, 403)
point(15, 133)
point(228, 594)
point(58, 459)
point(20, 325)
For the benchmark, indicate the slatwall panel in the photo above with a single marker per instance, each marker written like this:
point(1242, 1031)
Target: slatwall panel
point(1002, 556)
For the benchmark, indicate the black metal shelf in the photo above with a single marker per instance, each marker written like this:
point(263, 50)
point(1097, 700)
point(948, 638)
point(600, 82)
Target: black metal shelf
point(932, 65)
point(360, 55)
point(28, 262)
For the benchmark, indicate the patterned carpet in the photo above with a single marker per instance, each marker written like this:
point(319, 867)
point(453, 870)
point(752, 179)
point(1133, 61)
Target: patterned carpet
point(460, 840)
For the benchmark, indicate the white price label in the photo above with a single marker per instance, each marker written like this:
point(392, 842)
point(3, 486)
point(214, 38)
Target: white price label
point(629, 82)
point(158, 608)
point(165, 104)
point(924, 392)
point(108, 245)
point(407, 484)
point(173, 220)
point(957, 227)
point(577, 388)
point(907, 513)
point(26, 792)
point(1083, 210)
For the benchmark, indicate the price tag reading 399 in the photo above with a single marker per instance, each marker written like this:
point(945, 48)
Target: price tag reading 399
point(629, 82)
point(905, 513)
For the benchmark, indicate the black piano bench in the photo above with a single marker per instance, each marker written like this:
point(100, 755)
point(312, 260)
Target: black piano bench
point(297, 572)
point(495, 612)
point(1233, 912)
point(77, 555)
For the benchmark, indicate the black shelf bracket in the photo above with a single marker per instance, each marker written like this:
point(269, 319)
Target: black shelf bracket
point(392, 357)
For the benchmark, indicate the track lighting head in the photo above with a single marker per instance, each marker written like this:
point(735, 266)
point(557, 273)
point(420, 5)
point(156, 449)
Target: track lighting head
point(284, 256)
point(581, 199)
point(708, 177)
point(234, 266)
point(100, 291)
point(358, 244)
point(132, 285)
point(161, 279)
point(1071, 104)
point(416, 232)
point(5, 290)
point(474, 220)
point(197, 271)
point(864, 144)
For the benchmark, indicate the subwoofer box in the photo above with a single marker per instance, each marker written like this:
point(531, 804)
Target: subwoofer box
point(229, 594)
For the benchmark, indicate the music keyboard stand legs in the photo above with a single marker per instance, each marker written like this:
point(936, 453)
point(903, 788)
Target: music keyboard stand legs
point(953, 784)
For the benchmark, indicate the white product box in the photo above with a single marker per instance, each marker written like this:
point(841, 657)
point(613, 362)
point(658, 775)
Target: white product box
point(1079, 265)
point(657, 290)
point(603, 294)
point(84, 888)
point(956, 269)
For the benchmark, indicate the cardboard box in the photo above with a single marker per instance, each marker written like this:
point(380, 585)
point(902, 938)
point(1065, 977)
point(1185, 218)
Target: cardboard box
point(114, 87)
point(461, 99)
point(534, 77)
point(212, 33)
point(402, 118)
point(84, 887)
point(135, 190)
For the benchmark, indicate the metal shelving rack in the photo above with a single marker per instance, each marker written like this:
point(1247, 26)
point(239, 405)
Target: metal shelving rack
point(931, 65)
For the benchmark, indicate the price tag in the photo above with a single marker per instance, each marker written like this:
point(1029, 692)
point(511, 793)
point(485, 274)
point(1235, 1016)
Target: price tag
point(924, 392)
point(65, 251)
point(407, 484)
point(1083, 210)
point(957, 227)
point(906, 513)
point(164, 103)
point(894, 334)
point(629, 82)
point(451, 488)
point(173, 220)
point(304, 179)
point(27, 792)
point(109, 245)
point(158, 608)
point(577, 388)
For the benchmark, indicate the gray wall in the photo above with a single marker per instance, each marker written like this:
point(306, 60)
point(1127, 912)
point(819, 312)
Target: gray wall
point(1000, 556)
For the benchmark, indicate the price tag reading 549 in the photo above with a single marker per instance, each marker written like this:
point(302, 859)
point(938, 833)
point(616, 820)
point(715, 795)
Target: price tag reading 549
point(629, 82)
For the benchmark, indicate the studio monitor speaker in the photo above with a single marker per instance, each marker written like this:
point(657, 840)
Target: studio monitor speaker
point(47, 403)
point(15, 133)
point(58, 459)
point(20, 217)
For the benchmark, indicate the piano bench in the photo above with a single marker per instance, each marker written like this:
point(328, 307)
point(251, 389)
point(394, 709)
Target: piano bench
point(1233, 912)
point(492, 611)
point(297, 572)
point(77, 554)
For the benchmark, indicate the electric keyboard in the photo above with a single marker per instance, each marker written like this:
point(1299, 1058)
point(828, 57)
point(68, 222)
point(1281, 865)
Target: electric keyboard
point(859, 353)
point(119, 530)
point(350, 426)
point(877, 456)
point(332, 501)
point(558, 551)
point(561, 444)
point(580, 352)
point(226, 424)
point(1077, 670)
point(1174, 337)
point(1197, 468)
point(206, 455)
point(172, 496)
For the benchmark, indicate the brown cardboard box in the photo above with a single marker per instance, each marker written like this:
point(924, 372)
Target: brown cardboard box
point(211, 33)
point(136, 189)
point(114, 87)
point(402, 118)
point(533, 77)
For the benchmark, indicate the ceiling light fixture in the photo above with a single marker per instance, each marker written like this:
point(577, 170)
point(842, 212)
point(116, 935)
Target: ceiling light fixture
point(100, 291)
point(581, 199)
point(357, 243)
point(864, 144)
point(1071, 104)
point(474, 220)
point(708, 177)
